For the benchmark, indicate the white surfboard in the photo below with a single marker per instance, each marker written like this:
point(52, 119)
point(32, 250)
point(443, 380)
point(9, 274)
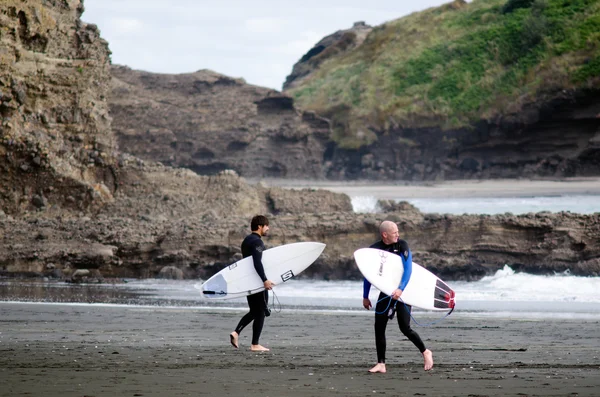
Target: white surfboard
point(424, 289)
point(280, 263)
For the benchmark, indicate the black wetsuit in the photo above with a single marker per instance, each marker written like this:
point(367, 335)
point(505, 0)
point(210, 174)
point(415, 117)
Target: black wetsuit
point(253, 246)
point(386, 307)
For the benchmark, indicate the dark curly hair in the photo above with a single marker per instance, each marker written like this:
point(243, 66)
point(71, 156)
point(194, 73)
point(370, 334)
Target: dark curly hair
point(258, 220)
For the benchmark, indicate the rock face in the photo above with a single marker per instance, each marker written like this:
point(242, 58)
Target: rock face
point(335, 44)
point(73, 207)
point(55, 139)
point(159, 217)
point(464, 247)
point(400, 102)
point(58, 154)
point(60, 172)
point(559, 138)
point(208, 122)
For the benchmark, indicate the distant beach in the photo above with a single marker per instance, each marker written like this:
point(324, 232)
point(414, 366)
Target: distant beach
point(101, 350)
point(450, 189)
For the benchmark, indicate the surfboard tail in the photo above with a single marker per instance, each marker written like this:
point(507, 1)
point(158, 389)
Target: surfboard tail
point(444, 296)
point(215, 287)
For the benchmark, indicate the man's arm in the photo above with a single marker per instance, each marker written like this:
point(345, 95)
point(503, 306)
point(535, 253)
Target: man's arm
point(258, 266)
point(366, 290)
point(406, 256)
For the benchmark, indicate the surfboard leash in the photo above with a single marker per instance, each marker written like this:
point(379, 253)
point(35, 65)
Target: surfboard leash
point(276, 308)
point(388, 306)
point(387, 310)
point(428, 324)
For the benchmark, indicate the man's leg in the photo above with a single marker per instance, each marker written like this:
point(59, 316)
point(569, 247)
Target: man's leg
point(257, 308)
point(403, 313)
point(248, 317)
point(381, 320)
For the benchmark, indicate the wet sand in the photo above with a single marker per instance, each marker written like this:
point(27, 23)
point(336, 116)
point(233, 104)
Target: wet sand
point(60, 350)
point(451, 189)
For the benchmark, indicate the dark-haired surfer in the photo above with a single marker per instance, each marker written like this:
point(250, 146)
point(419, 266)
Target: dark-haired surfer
point(253, 246)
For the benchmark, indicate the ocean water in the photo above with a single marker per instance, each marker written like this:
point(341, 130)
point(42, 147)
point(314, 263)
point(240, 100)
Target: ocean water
point(506, 293)
point(581, 204)
point(497, 196)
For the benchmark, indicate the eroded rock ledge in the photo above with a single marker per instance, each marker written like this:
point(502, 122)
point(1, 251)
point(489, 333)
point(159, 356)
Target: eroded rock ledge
point(465, 247)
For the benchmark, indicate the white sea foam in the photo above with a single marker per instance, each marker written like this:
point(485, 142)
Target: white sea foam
point(505, 285)
point(505, 294)
point(581, 204)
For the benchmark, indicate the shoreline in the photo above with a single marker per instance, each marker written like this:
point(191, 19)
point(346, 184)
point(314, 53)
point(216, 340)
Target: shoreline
point(106, 351)
point(448, 189)
point(587, 311)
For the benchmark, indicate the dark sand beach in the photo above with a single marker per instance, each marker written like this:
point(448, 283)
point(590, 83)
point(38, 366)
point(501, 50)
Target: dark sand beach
point(90, 350)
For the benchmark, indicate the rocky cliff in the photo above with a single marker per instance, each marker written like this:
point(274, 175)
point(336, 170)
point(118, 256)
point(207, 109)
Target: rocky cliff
point(557, 138)
point(370, 115)
point(72, 206)
point(484, 89)
point(58, 153)
point(56, 146)
point(331, 46)
point(59, 160)
point(208, 122)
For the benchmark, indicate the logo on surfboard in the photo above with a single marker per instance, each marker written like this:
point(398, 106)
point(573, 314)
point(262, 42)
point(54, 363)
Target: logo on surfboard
point(287, 275)
point(382, 260)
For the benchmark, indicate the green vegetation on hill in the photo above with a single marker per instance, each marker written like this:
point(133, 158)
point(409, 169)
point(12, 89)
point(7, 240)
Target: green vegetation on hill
point(453, 65)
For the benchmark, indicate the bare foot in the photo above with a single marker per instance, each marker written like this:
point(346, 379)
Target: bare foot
point(428, 356)
point(258, 348)
point(233, 338)
point(379, 367)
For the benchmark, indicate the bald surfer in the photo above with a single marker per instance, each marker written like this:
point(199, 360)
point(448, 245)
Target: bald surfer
point(385, 308)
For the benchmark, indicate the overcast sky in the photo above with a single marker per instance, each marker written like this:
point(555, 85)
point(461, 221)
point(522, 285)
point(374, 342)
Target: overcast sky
point(258, 40)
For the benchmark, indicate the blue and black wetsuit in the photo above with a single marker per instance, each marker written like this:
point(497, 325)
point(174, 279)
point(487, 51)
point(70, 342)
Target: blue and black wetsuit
point(253, 246)
point(386, 307)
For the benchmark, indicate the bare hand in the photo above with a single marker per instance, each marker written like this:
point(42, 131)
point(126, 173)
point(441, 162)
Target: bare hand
point(366, 303)
point(269, 284)
point(396, 294)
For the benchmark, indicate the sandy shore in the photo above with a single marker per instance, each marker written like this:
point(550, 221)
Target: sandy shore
point(452, 189)
point(59, 350)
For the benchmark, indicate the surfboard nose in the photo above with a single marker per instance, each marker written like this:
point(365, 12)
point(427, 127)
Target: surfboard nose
point(317, 248)
point(321, 245)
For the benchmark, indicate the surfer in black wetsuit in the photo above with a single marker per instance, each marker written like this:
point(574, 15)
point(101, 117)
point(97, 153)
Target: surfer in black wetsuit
point(386, 304)
point(253, 246)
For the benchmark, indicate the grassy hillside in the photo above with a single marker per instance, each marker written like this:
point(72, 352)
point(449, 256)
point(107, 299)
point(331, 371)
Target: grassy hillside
point(455, 64)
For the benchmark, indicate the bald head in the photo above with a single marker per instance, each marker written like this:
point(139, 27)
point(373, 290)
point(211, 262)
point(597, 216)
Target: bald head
point(389, 232)
point(387, 226)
